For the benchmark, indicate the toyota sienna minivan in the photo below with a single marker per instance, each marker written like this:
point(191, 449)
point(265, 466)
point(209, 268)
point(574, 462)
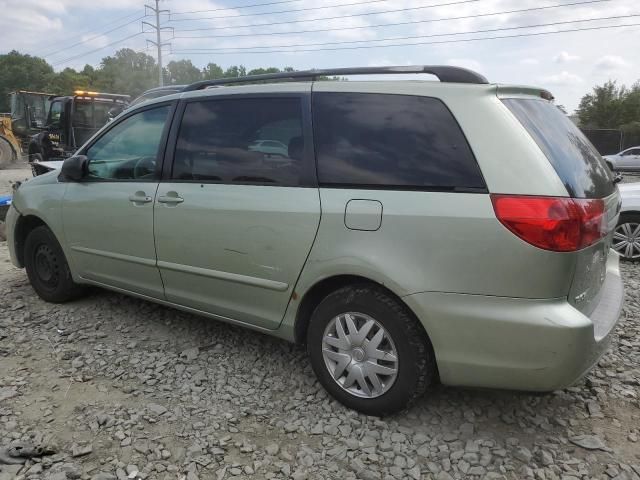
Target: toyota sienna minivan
point(406, 232)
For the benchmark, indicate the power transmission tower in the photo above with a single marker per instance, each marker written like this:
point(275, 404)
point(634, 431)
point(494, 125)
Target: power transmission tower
point(158, 41)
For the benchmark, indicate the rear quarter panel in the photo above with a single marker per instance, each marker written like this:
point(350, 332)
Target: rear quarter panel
point(446, 242)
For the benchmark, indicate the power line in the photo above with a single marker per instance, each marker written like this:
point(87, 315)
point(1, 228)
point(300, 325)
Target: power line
point(412, 37)
point(532, 34)
point(411, 22)
point(459, 2)
point(236, 8)
point(66, 60)
point(294, 10)
point(61, 49)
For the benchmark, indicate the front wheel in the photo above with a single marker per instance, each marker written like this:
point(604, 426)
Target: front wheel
point(626, 237)
point(368, 351)
point(47, 267)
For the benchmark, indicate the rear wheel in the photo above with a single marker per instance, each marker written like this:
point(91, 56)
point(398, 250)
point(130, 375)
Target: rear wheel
point(47, 267)
point(35, 157)
point(368, 351)
point(626, 237)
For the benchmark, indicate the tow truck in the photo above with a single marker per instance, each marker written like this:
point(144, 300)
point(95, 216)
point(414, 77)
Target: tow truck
point(71, 121)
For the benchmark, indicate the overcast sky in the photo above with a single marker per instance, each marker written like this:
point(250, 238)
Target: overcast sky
point(568, 64)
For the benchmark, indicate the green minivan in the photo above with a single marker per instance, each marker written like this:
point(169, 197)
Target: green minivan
point(405, 232)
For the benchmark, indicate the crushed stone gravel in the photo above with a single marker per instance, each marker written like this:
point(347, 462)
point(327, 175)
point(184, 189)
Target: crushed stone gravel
point(131, 390)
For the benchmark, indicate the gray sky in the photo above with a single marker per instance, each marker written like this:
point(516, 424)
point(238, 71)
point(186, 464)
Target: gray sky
point(568, 64)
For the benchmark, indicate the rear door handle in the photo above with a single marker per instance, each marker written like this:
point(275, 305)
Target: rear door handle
point(140, 197)
point(170, 198)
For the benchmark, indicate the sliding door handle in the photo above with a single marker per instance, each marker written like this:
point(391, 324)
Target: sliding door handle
point(171, 198)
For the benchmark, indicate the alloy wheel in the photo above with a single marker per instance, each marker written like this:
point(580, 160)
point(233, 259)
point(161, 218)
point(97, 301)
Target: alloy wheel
point(626, 240)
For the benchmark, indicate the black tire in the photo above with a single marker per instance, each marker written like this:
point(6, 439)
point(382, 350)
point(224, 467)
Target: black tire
point(416, 368)
point(35, 157)
point(632, 218)
point(47, 267)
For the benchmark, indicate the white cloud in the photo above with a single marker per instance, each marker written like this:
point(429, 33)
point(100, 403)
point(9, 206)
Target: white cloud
point(561, 79)
point(529, 61)
point(565, 57)
point(611, 62)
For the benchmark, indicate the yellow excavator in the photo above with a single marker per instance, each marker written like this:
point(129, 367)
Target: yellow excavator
point(28, 116)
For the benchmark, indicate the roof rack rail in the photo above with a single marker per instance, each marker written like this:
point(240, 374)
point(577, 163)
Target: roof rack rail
point(444, 73)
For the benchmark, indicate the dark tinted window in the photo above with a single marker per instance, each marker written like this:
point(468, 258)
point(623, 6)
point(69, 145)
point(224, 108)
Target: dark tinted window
point(244, 140)
point(90, 114)
point(55, 113)
point(575, 160)
point(392, 141)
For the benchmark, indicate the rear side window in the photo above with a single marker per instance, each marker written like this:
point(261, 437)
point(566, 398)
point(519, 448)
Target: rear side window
point(574, 158)
point(241, 140)
point(391, 141)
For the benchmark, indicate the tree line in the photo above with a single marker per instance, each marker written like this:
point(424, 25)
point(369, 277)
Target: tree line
point(608, 106)
point(127, 71)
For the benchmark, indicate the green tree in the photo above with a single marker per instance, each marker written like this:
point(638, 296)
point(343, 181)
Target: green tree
point(212, 71)
point(181, 72)
point(68, 80)
point(127, 71)
point(22, 72)
point(603, 108)
point(235, 71)
point(263, 71)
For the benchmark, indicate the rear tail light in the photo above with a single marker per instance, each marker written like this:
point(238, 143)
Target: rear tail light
point(552, 223)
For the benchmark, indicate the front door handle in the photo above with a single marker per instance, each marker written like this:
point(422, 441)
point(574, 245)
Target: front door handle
point(171, 198)
point(140, 197)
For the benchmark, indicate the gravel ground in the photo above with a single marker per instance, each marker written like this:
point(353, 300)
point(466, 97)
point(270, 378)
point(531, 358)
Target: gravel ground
point(17, 172)
point(121, 388)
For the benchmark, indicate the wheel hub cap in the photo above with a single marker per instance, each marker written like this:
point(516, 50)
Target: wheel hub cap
point(626, 240)
point(360, 355)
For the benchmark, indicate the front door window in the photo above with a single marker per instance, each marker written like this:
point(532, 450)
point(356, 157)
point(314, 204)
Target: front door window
point(129, 150)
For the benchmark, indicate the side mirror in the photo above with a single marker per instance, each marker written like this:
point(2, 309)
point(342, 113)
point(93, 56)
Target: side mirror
point(74, 169)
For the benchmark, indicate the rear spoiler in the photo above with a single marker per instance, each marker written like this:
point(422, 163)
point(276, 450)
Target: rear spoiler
point(510, 91)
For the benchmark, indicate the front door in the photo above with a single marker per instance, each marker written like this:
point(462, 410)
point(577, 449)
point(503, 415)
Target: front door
point(108, 218)
point(236, 218)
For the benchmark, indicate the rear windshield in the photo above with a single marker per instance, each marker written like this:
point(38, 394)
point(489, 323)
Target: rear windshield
point(576, 161)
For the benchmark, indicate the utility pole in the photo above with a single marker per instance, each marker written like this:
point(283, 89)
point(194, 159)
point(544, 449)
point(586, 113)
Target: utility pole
point(158, 41)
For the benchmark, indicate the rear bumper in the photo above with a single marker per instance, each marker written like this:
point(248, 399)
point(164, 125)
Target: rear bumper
point(514, 343)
